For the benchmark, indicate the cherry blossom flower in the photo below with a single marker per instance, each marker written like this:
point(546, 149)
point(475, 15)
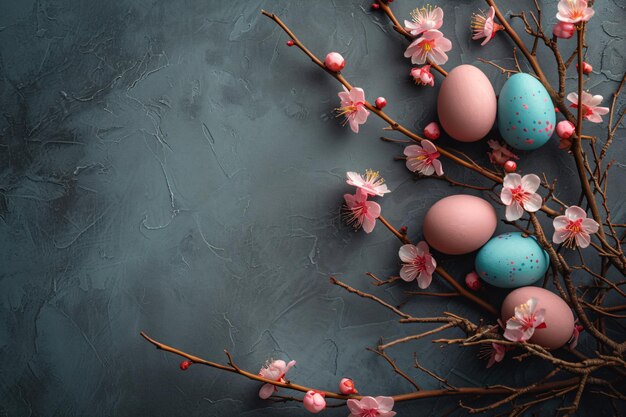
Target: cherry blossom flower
point(418, 263)
point(499, 154)
point(496, 354)
point(431, 47)
point(521, 327)
point(573, 341)
point(574, 228)
point(484, 26)
point(346, 386)
point(371, 407)
point(591, 111)
point(314, 401)
point(358, 212)
point(424, 19)
point(274, 370)
point(519, 194)
point(372, 183)
point(574, 11)
point(423, 159)
point(353, 107)
point(423, 76)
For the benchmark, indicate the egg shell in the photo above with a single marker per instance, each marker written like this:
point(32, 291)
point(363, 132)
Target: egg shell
point(466, 104)
point(526, 114)
point(558, 317)
point(511, 260)
point(459, 224)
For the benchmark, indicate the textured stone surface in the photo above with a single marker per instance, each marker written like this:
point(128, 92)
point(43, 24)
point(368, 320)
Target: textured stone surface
point(171, 166)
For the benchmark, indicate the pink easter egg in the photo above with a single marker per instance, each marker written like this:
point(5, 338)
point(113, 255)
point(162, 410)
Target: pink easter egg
point(459, 224)
point(559, 319)
point(466, 104)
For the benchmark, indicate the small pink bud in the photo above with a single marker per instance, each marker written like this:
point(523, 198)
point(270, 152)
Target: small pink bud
point(565, 129)
point(381, 102)
point(290, 43)
point(587, 69)
point(403, 230)
point(510, 166)
point(472, 281)
point(346, 386)
point(375, 6)
point(556, 110)
point(564, 30)
point(334, 61)
point(431, 131)
point(184, 365)
point(314, 401)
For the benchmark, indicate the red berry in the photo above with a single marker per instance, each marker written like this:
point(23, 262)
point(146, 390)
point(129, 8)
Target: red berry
point(510, 166)
point(290, 42)
point(184, 365)
point(375, 6)
point(381, 102)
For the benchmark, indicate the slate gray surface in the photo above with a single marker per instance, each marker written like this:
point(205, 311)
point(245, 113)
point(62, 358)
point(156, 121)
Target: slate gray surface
point(173, 167)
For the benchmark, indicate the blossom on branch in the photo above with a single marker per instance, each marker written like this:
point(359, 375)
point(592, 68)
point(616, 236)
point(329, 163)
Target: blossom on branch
point(574, 11)
point(423, 76)
point(591, 111)
point(499, 154)
point(418, 263)
point(314, 401)
point(372, 183)
point(430, 47)
point(353, 107)
point(519, 195)
point(359, 212)
point(371, 407)
point(521, 327)
point(573, 341)
point(496, 354)
point(574, 228)
point(274, 370)
point(423, 159)
point(484, 26)
point(425, 18)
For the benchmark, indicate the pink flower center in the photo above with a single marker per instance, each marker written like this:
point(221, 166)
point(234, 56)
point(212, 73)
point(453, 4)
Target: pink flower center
point(350, 109)
point(427, 45)
point(419, 263)
point(372, 412)
point(519, 195)
point(575, 226)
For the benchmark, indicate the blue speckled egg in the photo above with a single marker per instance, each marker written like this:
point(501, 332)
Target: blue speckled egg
point(510, 260)
point(525, 113)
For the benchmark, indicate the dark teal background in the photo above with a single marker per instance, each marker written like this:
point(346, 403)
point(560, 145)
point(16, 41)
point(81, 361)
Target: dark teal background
point(173, 167)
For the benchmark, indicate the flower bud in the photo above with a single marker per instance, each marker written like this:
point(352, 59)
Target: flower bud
point(334, 61)
point(431, 131)
point(565, 129)
point(472, 281)
point(381, 102)
point(314, 402)
point(510, 166)
point(564, 30)
point(423, 76)
point(346, 386)
point(587, 69)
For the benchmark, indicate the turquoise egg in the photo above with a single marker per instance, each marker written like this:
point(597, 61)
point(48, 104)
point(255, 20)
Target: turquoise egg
point(525, 113)
point(510, 260)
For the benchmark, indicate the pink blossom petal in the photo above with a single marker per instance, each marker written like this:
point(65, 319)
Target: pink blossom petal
point(266, 391)
point(530, 183)
point(533, 203)
point(506, 196)
point(514, 212)
point(438, 167)
point(582, 240)
point(407, 253)
point(424, 279)
point(512, 181)
point(575, 213)
point(590, 226)
point(560, 236)
point(408, 273)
